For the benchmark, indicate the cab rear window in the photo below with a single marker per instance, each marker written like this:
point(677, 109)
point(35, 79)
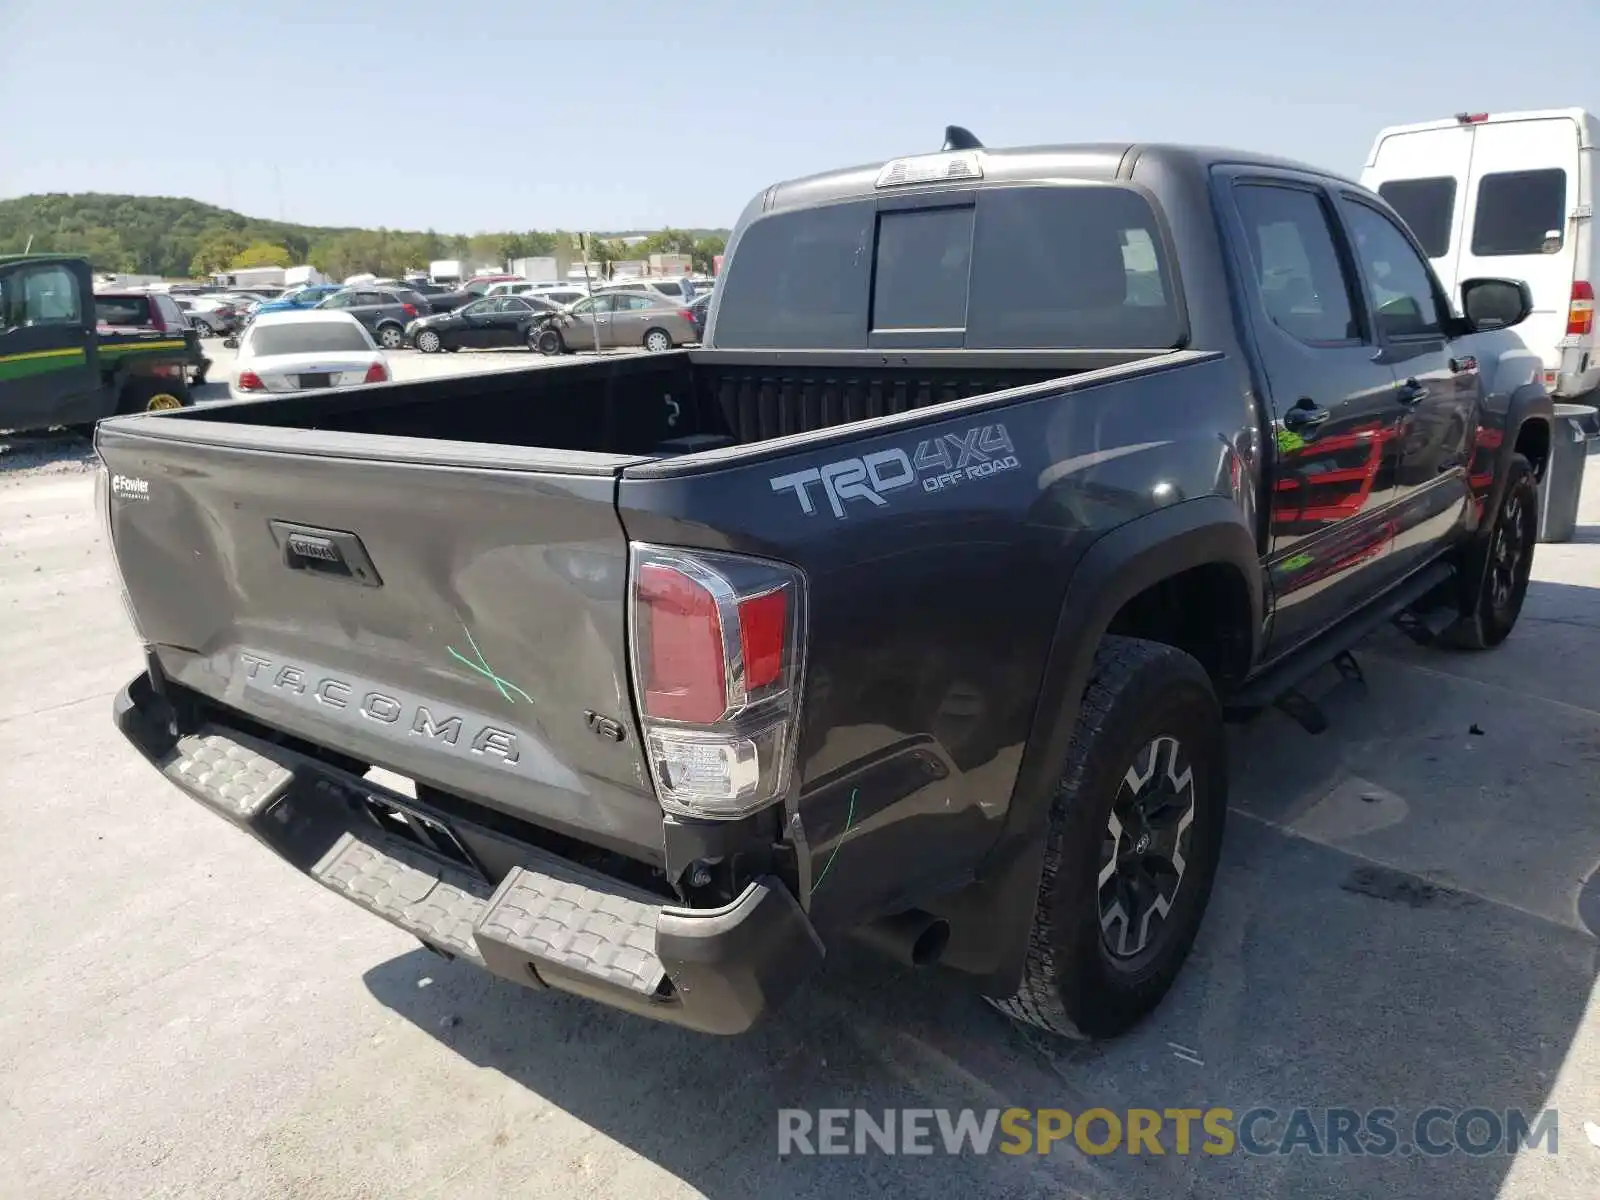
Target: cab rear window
point(1052, 267)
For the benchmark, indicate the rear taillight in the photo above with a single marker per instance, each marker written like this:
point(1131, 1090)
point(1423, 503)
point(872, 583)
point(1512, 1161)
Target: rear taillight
point(687, 315)
point(410, 310)
point(249, 381)
point(1580, 313)
point(718, 647)
point(376, 373)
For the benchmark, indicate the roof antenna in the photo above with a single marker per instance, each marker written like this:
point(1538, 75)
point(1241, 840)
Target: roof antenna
point(957, 138)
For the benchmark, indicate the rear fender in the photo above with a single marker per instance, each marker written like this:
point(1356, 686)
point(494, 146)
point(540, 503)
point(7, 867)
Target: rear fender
point(991, 918)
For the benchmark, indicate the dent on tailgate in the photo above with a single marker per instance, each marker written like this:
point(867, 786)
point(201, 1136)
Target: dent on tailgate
point(463, 627)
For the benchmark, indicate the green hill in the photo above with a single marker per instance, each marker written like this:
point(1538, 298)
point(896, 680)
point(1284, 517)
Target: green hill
point(173, 236)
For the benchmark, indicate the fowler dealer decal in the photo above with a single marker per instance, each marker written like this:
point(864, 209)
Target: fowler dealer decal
point(937, 464)
point(130, 487)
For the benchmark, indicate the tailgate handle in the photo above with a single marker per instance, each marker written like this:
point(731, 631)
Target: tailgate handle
point(334, 553)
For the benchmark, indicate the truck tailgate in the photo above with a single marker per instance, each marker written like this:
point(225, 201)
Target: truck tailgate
point(462, 626)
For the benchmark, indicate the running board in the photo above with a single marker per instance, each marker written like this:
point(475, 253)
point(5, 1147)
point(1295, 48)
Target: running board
point(1276, 685)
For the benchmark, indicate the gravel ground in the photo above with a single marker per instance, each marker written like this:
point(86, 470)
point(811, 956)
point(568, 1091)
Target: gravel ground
point(1402, 919)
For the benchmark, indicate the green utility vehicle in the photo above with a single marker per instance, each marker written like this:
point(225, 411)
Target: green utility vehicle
point(60, 366)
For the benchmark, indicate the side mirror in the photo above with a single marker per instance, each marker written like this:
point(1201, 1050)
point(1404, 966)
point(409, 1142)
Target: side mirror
point(1495, 303)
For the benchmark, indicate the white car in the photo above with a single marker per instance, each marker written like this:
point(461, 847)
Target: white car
point(306, 350)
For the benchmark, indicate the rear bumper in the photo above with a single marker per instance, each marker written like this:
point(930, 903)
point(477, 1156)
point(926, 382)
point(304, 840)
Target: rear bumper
point(542, 921)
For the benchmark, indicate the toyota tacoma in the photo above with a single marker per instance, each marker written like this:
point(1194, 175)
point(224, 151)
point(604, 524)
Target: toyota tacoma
point(910, 608)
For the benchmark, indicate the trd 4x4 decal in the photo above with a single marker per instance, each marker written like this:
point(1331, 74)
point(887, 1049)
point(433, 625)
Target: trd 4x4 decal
point(937, 464)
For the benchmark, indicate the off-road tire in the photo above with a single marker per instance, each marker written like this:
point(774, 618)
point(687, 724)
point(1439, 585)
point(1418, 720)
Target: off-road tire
point(1485, 623)
point(1072, 984)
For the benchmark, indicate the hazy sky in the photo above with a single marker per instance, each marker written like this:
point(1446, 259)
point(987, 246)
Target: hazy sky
point(467, 115)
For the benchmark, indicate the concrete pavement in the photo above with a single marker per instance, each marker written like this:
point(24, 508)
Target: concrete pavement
point(1404, 918)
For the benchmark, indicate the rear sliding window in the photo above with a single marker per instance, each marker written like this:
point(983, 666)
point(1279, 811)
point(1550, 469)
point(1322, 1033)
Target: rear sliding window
point(1428, 206)
point(1059, 267)
point(1520, 212)
point(308, 337)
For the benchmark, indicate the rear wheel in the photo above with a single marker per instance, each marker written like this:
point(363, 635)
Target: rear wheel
point(391, 337)
point(658, 341)
point(429, 342)
point(153, 395)
point(549, 341)
point(1499, 564)
point(203, 327)
point(1132, 843)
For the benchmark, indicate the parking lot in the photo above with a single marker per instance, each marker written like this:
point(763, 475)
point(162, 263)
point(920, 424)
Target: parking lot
point(1405, 918)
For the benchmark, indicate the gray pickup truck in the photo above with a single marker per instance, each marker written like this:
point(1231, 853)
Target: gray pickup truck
point(909, 609)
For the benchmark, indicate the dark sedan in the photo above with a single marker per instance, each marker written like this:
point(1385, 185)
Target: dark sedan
point(483, 324)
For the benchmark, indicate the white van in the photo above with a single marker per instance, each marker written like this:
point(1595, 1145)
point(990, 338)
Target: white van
point(1509, 195)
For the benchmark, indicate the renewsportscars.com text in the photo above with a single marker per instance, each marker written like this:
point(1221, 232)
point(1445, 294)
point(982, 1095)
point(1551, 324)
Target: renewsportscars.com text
point(1432, 1132)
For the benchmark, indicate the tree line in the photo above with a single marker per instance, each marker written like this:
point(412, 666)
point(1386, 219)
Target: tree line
point(176, 237)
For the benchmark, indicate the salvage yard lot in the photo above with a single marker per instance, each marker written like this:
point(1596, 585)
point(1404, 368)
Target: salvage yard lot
point(1399, 921)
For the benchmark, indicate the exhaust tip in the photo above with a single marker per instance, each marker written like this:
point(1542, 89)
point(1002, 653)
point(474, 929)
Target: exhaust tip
point(914, 938)
point(928, 948)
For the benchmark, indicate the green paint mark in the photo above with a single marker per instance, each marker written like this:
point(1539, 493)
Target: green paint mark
point(1289, 441)
point(1298, 561)
point(504, 686)
point(849, 820)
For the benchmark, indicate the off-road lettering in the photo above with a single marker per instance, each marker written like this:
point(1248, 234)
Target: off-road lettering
point(940, 463)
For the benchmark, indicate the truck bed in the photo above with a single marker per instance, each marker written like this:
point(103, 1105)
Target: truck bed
point(656, 405)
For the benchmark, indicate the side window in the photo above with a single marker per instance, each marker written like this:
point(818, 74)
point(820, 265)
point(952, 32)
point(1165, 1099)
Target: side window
point(1404, 302)
point(669, 287)
point(169, 310)
point(1303, 285)
point(478, 308)
point(338, 300)
point(634, 303)
point(604, 304)
point(1144, 272)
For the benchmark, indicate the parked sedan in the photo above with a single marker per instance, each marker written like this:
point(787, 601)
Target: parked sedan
point(384, 311)
point(285, 353)
point(620, 319)
point(211, 315)
point(492, 321)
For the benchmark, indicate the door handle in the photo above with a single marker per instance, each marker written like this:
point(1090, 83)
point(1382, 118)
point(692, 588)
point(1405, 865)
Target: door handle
point(1411, 392)
point(1305, 415)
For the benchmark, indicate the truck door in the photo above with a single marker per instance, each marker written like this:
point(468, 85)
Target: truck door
point(1523, 191)
point(49, 372)
point(1332, 399)
point(1439, 389)
point(1423, 174)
